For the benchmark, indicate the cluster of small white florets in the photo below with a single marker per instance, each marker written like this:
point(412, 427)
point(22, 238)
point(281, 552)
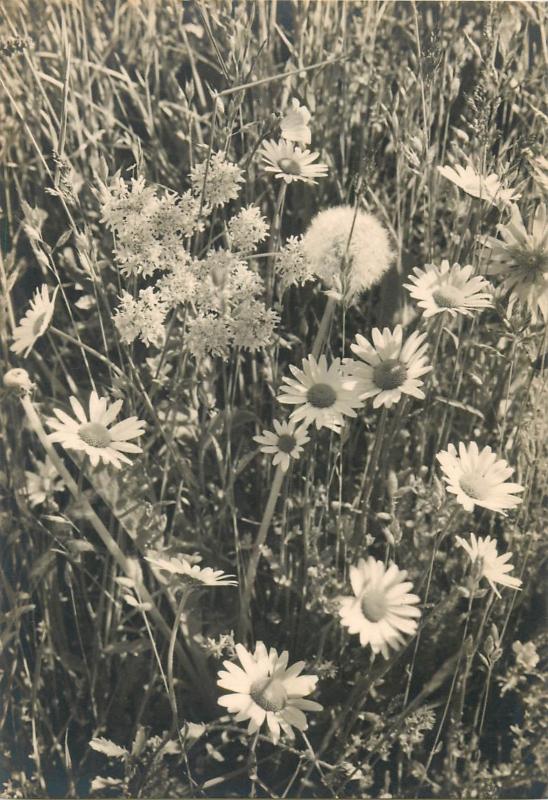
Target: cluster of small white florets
point(247, 229)
point(216, 180)
point(292, 264)
point(143, 317)
point(149, 230)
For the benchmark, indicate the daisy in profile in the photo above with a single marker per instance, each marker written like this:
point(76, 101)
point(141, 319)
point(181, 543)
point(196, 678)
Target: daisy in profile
point(93, 436)
point(389, 367)
point(284, 443)
point(483, 554)
point(191, 575)
point(36, 321)
point(348, 249)
point(478, 478)
point(294, 124)
point(324, 395)
point(265, 689)
point(484, 187)
point(42, 484)
point(452, 289)
point(520, 257)
point(290, 163)
point(381, 609)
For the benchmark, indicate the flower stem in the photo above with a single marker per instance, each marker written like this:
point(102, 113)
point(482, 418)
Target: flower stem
point(256, 553)
point(323, 330)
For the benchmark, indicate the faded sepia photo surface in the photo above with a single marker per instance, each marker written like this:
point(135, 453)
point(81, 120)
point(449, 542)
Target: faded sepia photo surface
point(273, 399)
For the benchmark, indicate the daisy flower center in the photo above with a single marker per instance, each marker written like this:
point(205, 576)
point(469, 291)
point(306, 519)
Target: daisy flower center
point(94, 434)
point(269, 694)
point(286, 442)
point(38, 323)
point(321, 395)
point(475, 486)
point(447, 296)
point(374, 605)
point(389, 374)
point(290, 166)
point(533, 260)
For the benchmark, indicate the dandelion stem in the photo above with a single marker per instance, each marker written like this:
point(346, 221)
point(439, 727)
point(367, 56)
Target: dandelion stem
point(323, 330)
point(256, 553)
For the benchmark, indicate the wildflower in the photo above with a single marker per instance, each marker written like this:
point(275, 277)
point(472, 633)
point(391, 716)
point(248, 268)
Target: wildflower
point(191, 575)
point(484, 187)
point(483, 554)
point(222, 179)
point(294, 124)
point(451, 289)
point(252, 325)
point(381, 609)
point(18, 380)
point(36, 321)
point(247, 229)
point(291, 163)
point(94, 436)
point(42, 484)
point(143, 317)
point(520, 257)
point(284, 444)
point(389, 368)
point(526, 655)
point(478, 478)
point(292, 265)
point(207, 334)
point(265, 689)
point(348, 250)
point(325, 395)
point(179, 285)
point(123, 205)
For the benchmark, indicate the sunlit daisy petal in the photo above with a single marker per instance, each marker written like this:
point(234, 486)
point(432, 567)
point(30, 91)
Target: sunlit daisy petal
point(382, 607)
point(477, 478)
point(389, 368)
point(191, 575)
point(265, 690)
point(451, 289)
point(290, 163)
point(484, 187)
point(35, 322)
point(483, 555)
point(93, 436)
point(285, 444)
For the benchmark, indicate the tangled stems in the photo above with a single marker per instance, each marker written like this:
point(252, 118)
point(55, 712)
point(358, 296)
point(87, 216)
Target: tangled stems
point(251, 573)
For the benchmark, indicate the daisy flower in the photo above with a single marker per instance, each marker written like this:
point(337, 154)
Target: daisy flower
point(478, 478)
point(93, 435)
point(348, 249)
point(265, 689)
point(484, 187)
point(35, 322)
point(294, 124)
point(520, 257)
point(192, 575)
point(389, 368)
point(381, 609)
point(43, 483)
point(483, 554)
point(325, 395)
point(445, 288)
point(291, 163)
point(284, 443)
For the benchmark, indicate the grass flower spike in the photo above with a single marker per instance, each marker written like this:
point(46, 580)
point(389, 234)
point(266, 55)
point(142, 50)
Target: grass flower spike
point(35, 322)
point(93, 436)
point(483, 553)
point(284, 443)
point(324, 395)
point(381, 609)
point(478, 478)
point(290, 163)
point(520, 258)
point(389, 367)
point(349, 251)
point(452, 289)
point(484, 187)
point(265, 689)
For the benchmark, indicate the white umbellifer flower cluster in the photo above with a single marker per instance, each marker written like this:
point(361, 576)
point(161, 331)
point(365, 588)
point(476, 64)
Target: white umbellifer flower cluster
point(142, 318)
point(222, 179)
point(149, 230)
point(292, 264)
point(348, 249)
point(247, 229)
